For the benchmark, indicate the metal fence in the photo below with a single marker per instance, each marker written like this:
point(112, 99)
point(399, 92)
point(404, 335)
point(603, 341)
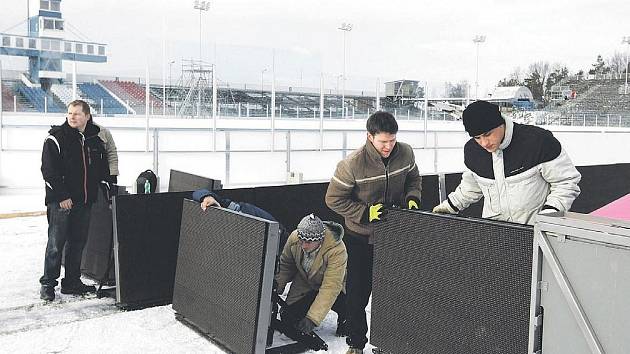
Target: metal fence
point(247, 152)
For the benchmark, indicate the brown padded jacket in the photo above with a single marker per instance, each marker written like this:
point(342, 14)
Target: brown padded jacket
point(327, 275)
point(362, 179)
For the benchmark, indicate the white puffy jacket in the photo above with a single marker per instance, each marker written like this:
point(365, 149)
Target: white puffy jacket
point(528, 173)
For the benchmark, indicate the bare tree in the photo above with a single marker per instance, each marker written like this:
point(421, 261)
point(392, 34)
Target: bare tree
point(457, 89)
point(537, 76)
point(559, 72)
point(617, 63)
point(514, 79)
point(599, 67)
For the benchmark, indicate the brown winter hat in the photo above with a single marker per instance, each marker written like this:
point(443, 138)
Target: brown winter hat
point(481, 117)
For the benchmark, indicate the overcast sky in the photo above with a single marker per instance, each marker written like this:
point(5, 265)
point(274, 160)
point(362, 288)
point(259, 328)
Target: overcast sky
point(395, 39)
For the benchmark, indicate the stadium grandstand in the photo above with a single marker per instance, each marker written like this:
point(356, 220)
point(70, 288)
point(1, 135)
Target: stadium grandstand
point(602, 95)
point(45, 88)
point(198, 93)
point(591, 100)
point(114, 96)
point(576, 101)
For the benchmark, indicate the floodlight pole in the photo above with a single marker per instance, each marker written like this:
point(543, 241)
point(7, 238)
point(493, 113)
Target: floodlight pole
point(478, 40)
point(262, 82)
point(201, 6)
point(345, 28)
point(626, 40)
point(1, 107)
point(170, 73)
point(170, 78)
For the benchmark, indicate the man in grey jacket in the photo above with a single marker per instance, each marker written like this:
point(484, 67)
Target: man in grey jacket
point(520, 170)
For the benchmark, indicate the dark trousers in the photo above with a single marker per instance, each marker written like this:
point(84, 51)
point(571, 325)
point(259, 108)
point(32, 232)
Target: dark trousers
point(292, 314)
point(66, 228)
point(358, 286)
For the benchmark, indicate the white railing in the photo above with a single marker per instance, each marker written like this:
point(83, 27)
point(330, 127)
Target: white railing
point(248, 152)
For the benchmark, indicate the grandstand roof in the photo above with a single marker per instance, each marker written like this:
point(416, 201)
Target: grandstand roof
point(510, 93)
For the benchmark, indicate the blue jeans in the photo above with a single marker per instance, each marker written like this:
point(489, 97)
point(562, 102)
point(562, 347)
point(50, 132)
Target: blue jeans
point(66, 228)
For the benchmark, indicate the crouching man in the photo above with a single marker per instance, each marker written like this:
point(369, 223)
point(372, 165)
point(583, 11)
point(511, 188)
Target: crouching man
point(314, 260)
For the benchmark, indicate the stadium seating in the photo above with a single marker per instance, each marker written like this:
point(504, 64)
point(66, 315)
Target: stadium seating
point(95, 94)
point(133, 94)
point(7, 98)
point(42, 101)
point(63, 92)
point(232, 102)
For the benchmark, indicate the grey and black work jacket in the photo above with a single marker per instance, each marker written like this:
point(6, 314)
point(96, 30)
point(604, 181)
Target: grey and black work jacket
point(529, 172)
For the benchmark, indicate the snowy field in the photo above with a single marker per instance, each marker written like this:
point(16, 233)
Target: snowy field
point(83, 325)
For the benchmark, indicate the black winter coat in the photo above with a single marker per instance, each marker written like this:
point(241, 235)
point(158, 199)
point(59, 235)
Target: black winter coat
point(73, 163)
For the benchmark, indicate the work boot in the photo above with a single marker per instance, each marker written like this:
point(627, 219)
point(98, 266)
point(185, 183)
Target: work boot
point(77, 288)
point(47, 293)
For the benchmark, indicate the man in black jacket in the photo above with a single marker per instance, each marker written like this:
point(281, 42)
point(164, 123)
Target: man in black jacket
point(74, 162)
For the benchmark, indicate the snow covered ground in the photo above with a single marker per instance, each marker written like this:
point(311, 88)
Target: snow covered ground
point(83, 325)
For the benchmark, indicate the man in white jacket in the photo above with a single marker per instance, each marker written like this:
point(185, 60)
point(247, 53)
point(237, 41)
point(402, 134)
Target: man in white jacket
point(520, 170)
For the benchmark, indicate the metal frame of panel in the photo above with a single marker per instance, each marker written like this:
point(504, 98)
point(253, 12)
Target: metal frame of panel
point(197, 253)
point(573, 227)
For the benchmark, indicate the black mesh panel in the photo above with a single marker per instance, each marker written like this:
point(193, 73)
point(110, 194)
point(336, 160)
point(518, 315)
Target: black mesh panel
point(147, 237)
point(446, 284)
point(288, 204)
point(97, 254)
point(430, 194)
point(452, 180)
point(181, 181)
point(220, 274)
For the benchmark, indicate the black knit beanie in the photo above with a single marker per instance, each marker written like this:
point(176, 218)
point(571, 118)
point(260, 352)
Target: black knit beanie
point(481, 117)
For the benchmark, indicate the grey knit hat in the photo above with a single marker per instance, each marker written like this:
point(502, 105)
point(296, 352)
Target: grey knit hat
point(311, 229)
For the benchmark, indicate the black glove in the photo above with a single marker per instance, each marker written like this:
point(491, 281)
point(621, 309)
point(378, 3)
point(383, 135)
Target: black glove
point(276, 289)
point(305, 325)
point(412, 203)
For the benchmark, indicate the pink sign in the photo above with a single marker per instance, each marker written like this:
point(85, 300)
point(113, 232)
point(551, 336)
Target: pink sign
point(619, 209)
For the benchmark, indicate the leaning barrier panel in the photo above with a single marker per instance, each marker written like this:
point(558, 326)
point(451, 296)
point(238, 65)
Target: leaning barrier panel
point(225, 269)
